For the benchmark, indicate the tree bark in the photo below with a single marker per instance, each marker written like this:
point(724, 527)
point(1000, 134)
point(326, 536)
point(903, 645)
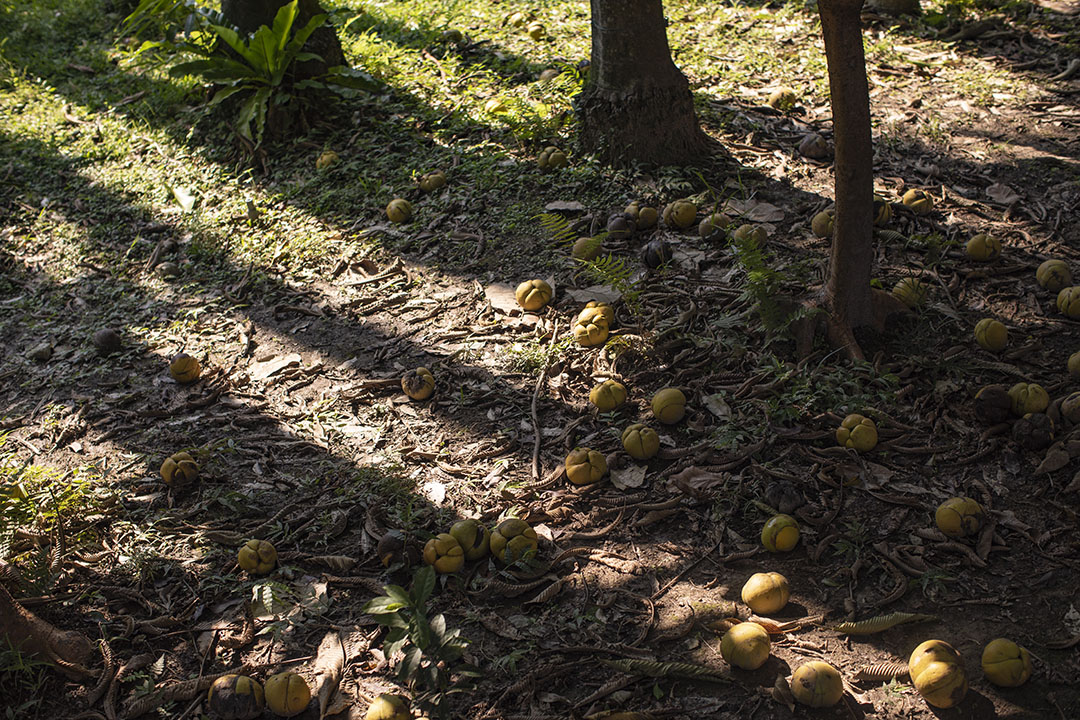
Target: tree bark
point(249, 15)
point(69, 651)
point(848, 287)
point(636, 105)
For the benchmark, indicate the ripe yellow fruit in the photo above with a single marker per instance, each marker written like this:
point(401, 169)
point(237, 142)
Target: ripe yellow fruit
point(287, 694)
point(1005, 663)
point(782, 99)
point(586, 248)
point(536, 31)
point(1073, 365)
point(749, 232)
point(179, 469)
point(745, 645)
point(983, 247)
point(669, 405)
point(591, 327)
point(919, 201)
point(959, 517)
point(680, 214)
point(599, 306)
point(473, 537)
point(822, 224)
point(937, 671)
point(326, 159)
point(512, 540)
point(235, 697)
point(608, 395)
point(857, 432)
point(429, 182)
point(780, 533)
point(584, 466)
point(1028, 398)
point(399, 210)
point(1068, 302)
point(418, 384)
point(551, 158)
point(882, 211)
point(991, 335)
point(817, 684)
point(444, 553)
point(533, 294)
point(911, 291)
point(766, 593)
point(1053, 275)
point(640, 441)
point(184, 369)
point(388, 707)
point(258, 557)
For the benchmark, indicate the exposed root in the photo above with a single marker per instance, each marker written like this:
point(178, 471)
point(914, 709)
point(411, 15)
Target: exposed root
point(69, 651)
point(840, 334)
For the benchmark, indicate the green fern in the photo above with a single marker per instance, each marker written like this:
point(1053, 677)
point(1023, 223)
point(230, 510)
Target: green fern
point(609, 270)
point(763, 282)
point(560, 229)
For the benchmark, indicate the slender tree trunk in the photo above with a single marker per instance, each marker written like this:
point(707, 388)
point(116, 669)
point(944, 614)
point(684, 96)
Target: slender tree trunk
point(248, 15)
point(636, 105)
point(69, 651)
point(848, 286)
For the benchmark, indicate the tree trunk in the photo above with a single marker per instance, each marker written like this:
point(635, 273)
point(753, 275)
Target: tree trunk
point(249, 15)
point(848, 287)
point(69, 651)
point(636, 105)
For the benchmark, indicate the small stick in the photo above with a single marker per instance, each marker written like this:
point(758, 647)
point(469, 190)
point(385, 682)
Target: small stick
point(535, 397)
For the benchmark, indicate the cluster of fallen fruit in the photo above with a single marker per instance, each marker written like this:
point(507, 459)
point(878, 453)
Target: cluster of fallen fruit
point(935, 668)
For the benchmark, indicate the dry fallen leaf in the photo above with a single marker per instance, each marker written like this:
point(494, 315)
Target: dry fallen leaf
point(1002, 194)
point(696, 482)
point(329, 665)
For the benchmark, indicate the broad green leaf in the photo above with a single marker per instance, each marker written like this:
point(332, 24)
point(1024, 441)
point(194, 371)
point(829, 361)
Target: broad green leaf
point(382, 605)
point(398, 593)
point(233, 40)
point(390, 649)
point(423, 585)
point(413, 656)
point(263, 48)
point(421, 634)
point(438, 628)
point(224, 94)
point(283, 22)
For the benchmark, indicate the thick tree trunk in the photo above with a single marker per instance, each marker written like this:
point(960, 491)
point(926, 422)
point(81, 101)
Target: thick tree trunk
point(69, 651)
point(248, 15)
point(636, 105)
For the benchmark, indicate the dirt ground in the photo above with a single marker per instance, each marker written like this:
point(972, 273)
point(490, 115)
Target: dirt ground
point(304, 437)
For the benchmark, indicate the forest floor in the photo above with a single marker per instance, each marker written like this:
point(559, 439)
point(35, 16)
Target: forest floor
point(124, 204)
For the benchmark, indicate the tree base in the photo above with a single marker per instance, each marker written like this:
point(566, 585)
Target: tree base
point(839, 332)
point(69, 651)
point(655, 126)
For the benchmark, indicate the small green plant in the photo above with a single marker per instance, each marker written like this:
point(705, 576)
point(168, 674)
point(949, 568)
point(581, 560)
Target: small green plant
point(429, 650)
point(22, 681)
point(259, 68)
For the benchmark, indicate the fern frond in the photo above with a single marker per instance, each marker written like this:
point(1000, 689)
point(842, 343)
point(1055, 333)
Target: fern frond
point(609, 270)
point(560, 229)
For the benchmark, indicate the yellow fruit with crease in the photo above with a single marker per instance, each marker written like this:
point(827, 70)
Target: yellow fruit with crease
point(766, 593)
point(937, 671)
point(817, 684)
point(287, 694)
point(858, 433)
point(959, 517)
point(746, 645)
point(780, 533)
point(1005, 663)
